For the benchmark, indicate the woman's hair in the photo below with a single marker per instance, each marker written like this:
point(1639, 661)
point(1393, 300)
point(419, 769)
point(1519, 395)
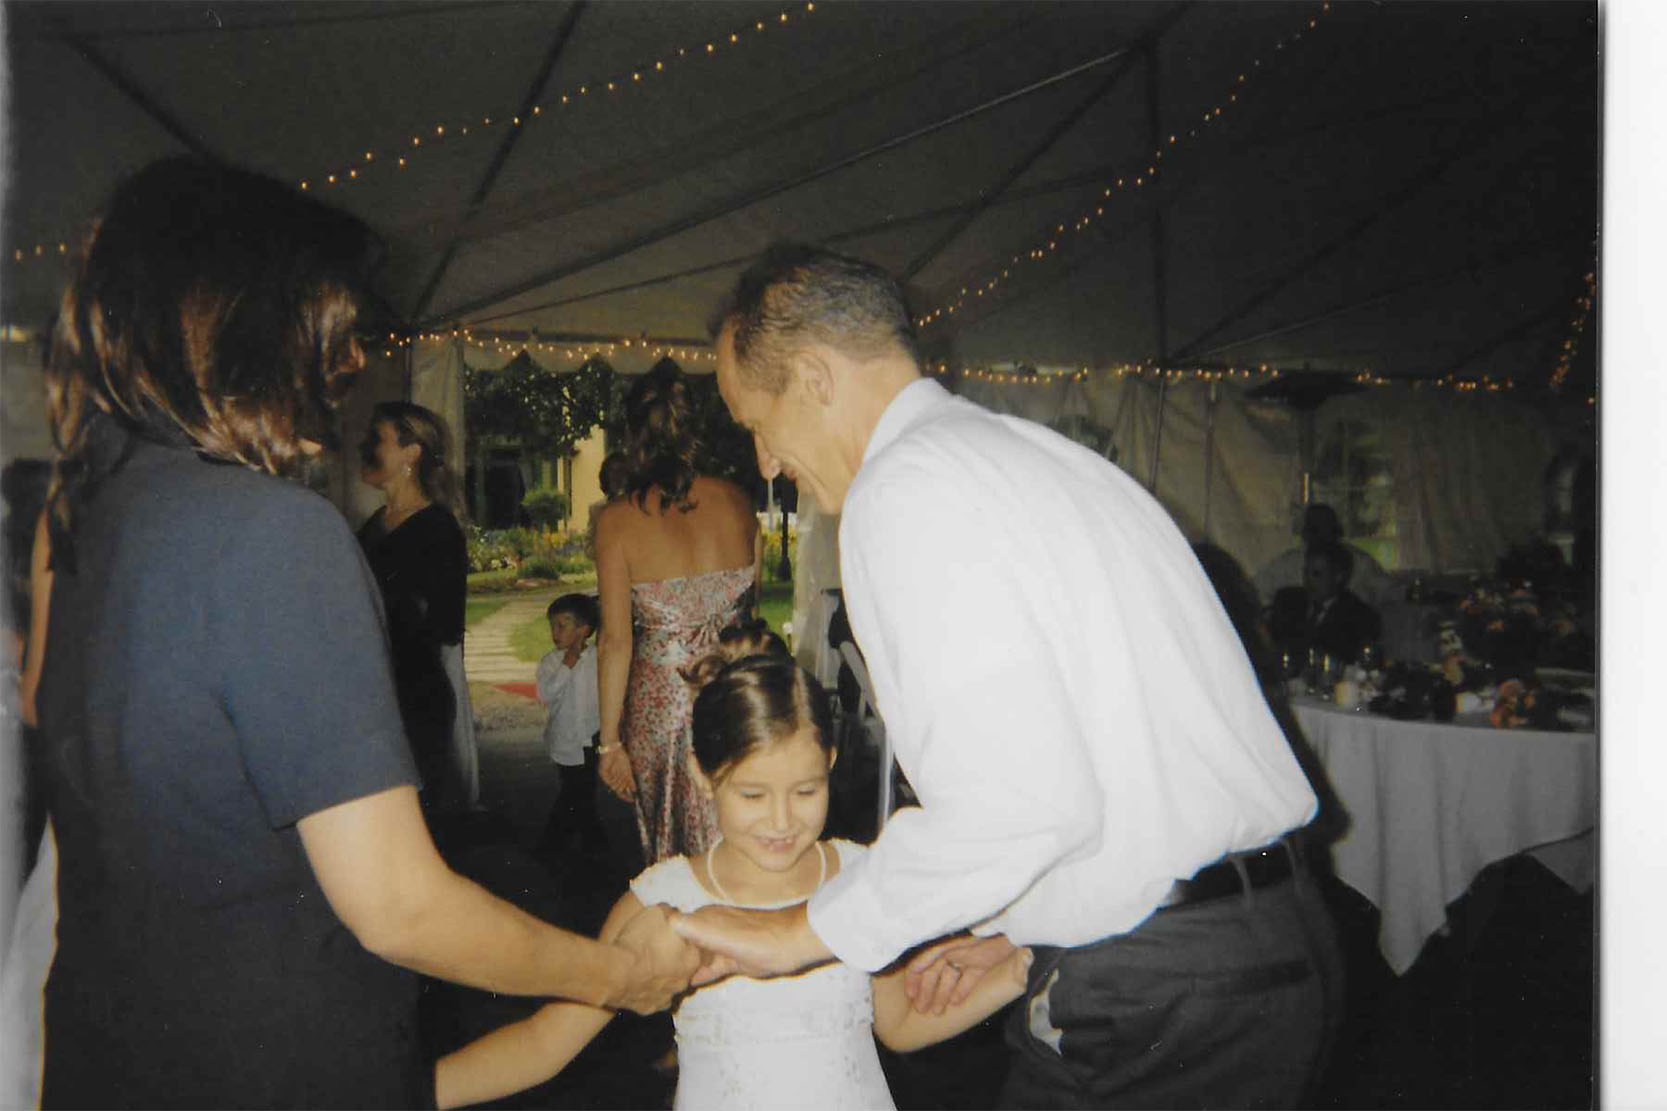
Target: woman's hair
point(660, 437)
point(752, 694)
point(413, 424)
point(211, 308)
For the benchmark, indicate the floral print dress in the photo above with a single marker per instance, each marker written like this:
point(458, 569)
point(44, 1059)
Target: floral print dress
point(674, 623)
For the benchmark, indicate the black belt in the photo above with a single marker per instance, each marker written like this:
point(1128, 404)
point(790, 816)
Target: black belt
point(1230, 875)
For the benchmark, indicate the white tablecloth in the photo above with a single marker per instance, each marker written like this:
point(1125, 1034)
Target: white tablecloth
point(1431, 805)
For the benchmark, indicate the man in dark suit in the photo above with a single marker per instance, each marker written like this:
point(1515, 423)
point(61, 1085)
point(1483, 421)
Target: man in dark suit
point(1323, 613)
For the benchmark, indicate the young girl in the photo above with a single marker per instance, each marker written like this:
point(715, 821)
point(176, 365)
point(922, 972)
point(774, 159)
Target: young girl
point(762, 752)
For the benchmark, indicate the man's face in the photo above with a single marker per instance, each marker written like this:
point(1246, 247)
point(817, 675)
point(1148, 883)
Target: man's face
point(1320, 578)
point(793, 433)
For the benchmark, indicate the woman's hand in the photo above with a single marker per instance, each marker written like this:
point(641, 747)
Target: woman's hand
point(615, 769)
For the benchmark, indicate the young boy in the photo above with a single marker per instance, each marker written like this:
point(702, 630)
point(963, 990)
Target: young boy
point(567, 685)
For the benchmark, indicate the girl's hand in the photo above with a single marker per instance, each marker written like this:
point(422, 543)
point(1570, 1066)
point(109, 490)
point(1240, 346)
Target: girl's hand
point(615, 769)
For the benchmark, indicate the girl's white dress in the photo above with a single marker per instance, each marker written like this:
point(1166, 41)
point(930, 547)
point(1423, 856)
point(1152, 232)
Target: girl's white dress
point(804, 1041)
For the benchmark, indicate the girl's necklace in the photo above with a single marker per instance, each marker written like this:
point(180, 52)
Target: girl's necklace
point(718, 887)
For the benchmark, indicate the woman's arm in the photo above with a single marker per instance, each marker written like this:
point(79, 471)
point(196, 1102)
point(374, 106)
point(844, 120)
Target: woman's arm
point(515, 1057)
point(613, 646)
point(902, 1028)
point(386, 882)
point(40, 611)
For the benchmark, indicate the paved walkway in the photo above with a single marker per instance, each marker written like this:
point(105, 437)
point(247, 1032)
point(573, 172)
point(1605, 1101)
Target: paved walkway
point(486, 654)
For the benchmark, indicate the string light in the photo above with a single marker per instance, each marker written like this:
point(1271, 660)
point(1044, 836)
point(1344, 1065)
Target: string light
point(1577, 326)
point(635, 75)
point(578, 352)
point(1139, 180)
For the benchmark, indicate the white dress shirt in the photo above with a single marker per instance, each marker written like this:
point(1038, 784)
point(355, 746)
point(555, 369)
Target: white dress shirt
point(570, 693)
point(1063, 689)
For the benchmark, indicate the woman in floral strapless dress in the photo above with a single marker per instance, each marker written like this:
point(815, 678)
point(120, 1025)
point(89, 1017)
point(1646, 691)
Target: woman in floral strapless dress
point(677, 558)
point(674, 623)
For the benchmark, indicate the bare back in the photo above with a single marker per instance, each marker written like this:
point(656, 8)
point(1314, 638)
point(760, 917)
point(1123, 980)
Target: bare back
point(719, 534)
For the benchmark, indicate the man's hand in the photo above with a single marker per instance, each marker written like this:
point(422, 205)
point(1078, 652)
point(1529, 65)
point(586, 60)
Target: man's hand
point(759, 943)
point(615, 769)
point(663, 963)
point(946, 972)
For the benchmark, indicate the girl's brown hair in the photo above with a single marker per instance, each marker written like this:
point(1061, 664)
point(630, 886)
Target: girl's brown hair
point(752, 694)
point(210, 308)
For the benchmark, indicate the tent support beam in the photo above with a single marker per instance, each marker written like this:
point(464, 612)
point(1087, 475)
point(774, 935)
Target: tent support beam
point(131, 89)
point(891, 223)
point(1160, 276)
point(1148, 39)
point(1466, 144)
point(505, 145)
point(1499, 339)
point(744, 201)
point(1523, 249)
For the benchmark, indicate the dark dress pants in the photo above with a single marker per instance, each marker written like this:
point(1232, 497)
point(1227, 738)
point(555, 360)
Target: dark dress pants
point(1232, 1002)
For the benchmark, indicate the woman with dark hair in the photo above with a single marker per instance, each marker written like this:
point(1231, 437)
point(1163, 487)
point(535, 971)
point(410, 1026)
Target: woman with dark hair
point(677, 560)
point(416, 550)
point(245, 880)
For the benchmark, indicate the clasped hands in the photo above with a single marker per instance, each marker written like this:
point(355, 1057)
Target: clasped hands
point(764, 943)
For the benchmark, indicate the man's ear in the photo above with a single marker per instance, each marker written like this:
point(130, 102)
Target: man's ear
point(702, 784)
point(814, 373)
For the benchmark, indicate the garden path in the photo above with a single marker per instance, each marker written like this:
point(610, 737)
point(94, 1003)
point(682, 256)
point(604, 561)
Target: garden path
point(486, 652)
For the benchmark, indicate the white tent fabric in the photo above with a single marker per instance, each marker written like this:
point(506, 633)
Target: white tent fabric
point(1403, 189)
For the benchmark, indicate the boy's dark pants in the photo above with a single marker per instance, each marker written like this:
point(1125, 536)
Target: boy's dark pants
point(573, 822)
point(1231, 1002)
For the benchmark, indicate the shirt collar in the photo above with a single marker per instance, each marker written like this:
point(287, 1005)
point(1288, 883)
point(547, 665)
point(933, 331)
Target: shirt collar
point(912, 403)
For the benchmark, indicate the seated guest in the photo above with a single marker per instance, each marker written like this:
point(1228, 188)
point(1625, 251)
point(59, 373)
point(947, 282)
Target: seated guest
point(1323, 613)
point(1320, 526)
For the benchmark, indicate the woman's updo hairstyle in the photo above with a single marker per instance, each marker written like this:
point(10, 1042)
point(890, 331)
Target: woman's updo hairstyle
point(660, 437)
point(752, 694)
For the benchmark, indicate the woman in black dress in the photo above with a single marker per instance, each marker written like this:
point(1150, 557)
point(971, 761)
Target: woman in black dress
point(416, 549)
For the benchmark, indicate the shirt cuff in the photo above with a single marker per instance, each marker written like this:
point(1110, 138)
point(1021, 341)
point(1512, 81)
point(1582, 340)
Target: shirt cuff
point(846, 914)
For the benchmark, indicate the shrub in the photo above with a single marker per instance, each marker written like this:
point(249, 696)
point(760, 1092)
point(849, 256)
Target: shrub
point(533, 553)
point(540, 569)
point(546, 508)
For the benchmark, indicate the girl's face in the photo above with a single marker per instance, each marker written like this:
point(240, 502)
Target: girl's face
point(773, 804)
point(382, 458)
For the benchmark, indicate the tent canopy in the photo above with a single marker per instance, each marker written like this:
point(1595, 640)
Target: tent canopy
point(1400, 190)
point(1405, 189)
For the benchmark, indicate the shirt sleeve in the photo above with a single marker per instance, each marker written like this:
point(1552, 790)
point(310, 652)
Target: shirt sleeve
point(554, 678)
point(978, 719)
point(304, 661)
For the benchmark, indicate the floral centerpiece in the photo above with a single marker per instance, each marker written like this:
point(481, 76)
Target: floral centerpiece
point(1510, 630)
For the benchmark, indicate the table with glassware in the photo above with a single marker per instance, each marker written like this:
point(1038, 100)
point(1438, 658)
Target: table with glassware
point(1430, 805)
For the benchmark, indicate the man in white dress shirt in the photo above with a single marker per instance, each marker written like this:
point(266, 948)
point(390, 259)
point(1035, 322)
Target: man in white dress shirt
point(1099, 775)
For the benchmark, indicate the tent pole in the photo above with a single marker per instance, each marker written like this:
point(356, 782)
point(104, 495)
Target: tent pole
point(1464, 145)
point(989, 196)
point(730, 205)
point(1160, 291)
point(130, 89)
point(501, 155)
point(1210, 449)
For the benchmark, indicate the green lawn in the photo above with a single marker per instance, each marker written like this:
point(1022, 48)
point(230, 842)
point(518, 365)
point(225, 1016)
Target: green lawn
point(531, 639)
point(775, 605)
point(474, 609)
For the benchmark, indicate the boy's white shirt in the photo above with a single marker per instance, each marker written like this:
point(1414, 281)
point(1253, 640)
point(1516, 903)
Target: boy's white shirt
point(570, 693)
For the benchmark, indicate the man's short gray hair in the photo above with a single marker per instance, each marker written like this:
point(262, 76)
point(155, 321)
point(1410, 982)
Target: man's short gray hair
point(797, 293)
